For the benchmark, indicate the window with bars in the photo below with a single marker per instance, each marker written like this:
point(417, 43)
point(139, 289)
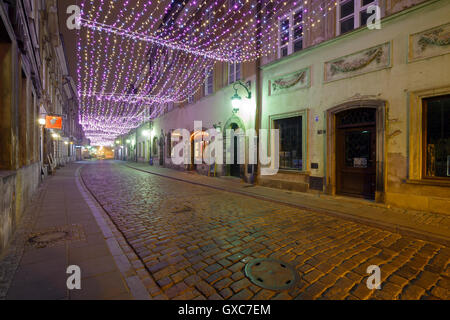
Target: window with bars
point(209, 82)
point(352, 14)
point(234, 72)
point(290, 34)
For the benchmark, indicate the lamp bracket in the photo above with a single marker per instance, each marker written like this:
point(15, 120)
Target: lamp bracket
point(246, 86)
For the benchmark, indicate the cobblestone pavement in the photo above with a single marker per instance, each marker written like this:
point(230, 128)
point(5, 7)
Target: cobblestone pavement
point(195, 242)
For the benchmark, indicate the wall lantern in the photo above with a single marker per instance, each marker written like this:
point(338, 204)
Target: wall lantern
point(236, 100)
point(42, 121)
point(146, 133)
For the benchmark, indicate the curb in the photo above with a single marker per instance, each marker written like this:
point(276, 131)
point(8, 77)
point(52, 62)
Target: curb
point(137, 288)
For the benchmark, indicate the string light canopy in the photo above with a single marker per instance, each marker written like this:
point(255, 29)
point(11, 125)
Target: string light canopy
point(135, 57)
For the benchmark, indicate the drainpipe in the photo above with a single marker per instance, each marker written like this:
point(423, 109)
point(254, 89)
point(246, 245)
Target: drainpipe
point(258, 111)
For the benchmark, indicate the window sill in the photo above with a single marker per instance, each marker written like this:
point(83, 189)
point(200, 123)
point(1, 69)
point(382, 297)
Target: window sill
point(430, 182)
point(293, 171)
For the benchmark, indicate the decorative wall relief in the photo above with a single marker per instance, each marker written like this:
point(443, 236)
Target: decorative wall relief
point(290, 82)
point(361, 62)
point(429, 43)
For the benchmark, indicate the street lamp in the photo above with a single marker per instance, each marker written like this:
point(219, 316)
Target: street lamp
point(42, 121)
point(146, 133)
point(236, 99)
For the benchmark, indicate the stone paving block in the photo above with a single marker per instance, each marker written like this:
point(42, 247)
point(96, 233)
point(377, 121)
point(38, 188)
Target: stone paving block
point(244, 294)
point(213, 268)
point(412, 292)
point(176, 290)
point(226, 293)
point(241, 284)
point(205, 288)
point(440, 292)
point(219, 285)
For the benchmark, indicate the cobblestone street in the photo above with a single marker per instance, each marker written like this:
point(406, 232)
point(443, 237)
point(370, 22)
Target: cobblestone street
point(192, 242)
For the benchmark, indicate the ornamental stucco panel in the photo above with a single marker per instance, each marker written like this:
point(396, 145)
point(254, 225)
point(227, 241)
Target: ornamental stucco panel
point(290, 82)
point(429, 43)
point(368, 60)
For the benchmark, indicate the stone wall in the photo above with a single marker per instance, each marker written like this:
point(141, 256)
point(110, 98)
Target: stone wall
point(16, 189)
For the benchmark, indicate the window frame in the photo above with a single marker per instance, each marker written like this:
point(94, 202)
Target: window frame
point(424, 146)
point(304, 115)
point(291, 41)
point(209, 75)
point(358, 8)
point(234, 66)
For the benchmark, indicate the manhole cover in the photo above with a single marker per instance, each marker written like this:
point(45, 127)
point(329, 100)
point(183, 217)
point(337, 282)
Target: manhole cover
point(44, 239)
point(271, 274)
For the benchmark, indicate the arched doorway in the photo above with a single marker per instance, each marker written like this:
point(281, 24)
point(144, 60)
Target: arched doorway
point(237, 125)
point(356, 150)
point(197, 148)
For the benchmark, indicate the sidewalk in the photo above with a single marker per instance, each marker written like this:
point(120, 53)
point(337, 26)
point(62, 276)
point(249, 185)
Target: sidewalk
point(425, 225)
point(61, 228)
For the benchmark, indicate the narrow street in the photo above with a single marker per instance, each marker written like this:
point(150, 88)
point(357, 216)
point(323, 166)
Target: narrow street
point(225, 150)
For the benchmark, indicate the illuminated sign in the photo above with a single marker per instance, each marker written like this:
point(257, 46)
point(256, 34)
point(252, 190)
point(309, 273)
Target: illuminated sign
point(52, 122)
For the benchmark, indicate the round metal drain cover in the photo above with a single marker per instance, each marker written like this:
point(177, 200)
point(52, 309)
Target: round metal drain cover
point(48, 237)
point(271, 274)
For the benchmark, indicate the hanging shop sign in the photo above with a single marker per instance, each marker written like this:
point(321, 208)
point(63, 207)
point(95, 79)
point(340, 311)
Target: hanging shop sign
point(53, 122)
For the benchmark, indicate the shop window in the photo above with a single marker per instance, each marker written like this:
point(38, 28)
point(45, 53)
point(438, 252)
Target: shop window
point(436, 137)
point(291, 142)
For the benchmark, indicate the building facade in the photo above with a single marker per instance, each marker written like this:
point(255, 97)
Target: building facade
point(362, 112)
point(33, 84)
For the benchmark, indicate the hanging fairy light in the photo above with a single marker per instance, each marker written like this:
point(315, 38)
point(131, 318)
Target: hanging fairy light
point(134, 57)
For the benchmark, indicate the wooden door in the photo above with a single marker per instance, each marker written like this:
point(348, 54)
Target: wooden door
point(356, 153)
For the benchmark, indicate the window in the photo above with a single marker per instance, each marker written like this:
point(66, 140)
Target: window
point(234, 72)
point(169, 144)
point(353, 14)
point(210, 19)
point(291, 144)
point(290, 35)
point(155, 146)
point(436, 137)
point(209, 83)
point(144, 150)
